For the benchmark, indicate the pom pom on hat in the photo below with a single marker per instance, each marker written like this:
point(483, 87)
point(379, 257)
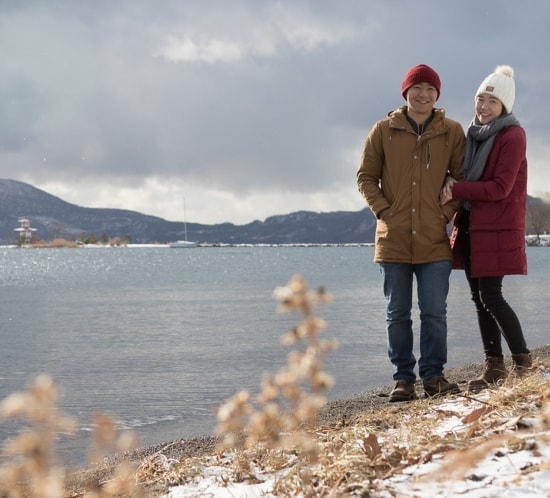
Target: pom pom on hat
point(420, 74)
point(500, 84)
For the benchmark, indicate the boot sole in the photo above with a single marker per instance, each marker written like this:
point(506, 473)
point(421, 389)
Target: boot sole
point(398, 398)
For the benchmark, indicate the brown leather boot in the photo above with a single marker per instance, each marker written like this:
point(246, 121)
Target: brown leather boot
point(522, 363)
point(494, 370)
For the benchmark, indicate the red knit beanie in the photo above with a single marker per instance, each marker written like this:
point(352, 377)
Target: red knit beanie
point(420, 74)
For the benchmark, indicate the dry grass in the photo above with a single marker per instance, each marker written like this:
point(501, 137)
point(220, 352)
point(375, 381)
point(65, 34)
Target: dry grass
point(277, 433)
point(52, 244)
point(361, 458)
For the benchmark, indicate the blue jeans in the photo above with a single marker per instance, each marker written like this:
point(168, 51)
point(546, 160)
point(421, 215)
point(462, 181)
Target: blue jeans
point(432, 288)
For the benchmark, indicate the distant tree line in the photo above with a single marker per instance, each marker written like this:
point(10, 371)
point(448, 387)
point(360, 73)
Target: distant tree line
point(538, 219)
point(92, 238)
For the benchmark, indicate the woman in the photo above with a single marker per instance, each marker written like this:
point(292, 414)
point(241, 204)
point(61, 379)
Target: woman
point(488, 237)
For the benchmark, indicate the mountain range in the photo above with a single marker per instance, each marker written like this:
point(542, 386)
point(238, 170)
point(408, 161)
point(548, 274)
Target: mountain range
point(54, 218)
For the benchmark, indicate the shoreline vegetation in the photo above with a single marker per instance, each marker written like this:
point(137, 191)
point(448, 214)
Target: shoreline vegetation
point(290, 441)
point(367, 419)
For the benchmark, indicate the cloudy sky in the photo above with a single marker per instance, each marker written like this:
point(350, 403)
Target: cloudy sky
point(241, 109)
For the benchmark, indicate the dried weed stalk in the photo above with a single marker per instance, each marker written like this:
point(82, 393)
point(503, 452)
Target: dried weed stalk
point(284, 413)
point(108, 440)
point(30, 467)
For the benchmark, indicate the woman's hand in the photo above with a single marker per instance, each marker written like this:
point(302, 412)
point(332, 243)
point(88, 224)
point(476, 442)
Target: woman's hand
point(446, 194)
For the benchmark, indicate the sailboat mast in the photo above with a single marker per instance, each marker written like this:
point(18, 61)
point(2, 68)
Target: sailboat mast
point(184, 220)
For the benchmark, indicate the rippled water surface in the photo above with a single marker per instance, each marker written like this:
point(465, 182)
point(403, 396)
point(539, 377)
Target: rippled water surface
point(160, 337)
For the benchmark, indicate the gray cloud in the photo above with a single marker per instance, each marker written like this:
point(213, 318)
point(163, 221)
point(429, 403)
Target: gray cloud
point(246, 110)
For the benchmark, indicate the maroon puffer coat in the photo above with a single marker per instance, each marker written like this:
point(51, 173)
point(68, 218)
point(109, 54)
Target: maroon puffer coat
point(497, 213)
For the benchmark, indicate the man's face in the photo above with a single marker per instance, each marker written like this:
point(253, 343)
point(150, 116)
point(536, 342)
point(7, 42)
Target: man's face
point(421, 98)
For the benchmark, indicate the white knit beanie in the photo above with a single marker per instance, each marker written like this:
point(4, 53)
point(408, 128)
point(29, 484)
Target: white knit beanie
point(501, 85)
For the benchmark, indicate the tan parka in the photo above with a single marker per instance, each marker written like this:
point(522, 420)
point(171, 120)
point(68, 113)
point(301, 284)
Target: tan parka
point(402, 174)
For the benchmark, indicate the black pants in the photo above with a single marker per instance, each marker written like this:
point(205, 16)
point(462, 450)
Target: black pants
point(495, 316)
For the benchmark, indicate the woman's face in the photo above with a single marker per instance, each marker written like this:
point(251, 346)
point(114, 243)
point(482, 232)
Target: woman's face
point(488, 107)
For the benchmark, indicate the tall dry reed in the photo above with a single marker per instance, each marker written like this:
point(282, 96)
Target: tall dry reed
point(282, 416)
point(30, 465)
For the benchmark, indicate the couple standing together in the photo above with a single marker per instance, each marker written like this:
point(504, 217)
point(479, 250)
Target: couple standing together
point(418, 172)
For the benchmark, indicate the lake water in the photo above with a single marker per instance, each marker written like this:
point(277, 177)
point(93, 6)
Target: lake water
point(160, 337)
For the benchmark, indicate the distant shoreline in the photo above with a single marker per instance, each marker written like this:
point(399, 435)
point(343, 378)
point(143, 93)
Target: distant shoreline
point(530, 240)
point(163, 245)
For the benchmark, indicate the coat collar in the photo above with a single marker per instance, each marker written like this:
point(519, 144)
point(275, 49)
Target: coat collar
point(398, 120)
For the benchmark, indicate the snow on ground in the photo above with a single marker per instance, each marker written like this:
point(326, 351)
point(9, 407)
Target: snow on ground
point(498, 472)
point(210, 486)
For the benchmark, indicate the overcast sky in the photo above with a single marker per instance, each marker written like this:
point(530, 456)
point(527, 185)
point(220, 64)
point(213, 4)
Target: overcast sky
point(242, 109)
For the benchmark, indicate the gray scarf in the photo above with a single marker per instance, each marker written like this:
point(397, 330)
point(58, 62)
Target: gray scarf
point(479, 142)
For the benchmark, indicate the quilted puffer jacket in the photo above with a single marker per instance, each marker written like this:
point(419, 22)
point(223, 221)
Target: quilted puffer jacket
point(402, 174)
point(497, 212)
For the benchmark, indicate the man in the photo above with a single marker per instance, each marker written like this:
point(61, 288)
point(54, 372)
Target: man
point(405, 161)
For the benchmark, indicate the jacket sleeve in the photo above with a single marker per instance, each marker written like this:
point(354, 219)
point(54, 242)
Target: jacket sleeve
point(508, 155)
point(456, 165)
point(369, 173)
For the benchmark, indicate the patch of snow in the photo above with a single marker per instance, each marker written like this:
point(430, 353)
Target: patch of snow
point(500, 473)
